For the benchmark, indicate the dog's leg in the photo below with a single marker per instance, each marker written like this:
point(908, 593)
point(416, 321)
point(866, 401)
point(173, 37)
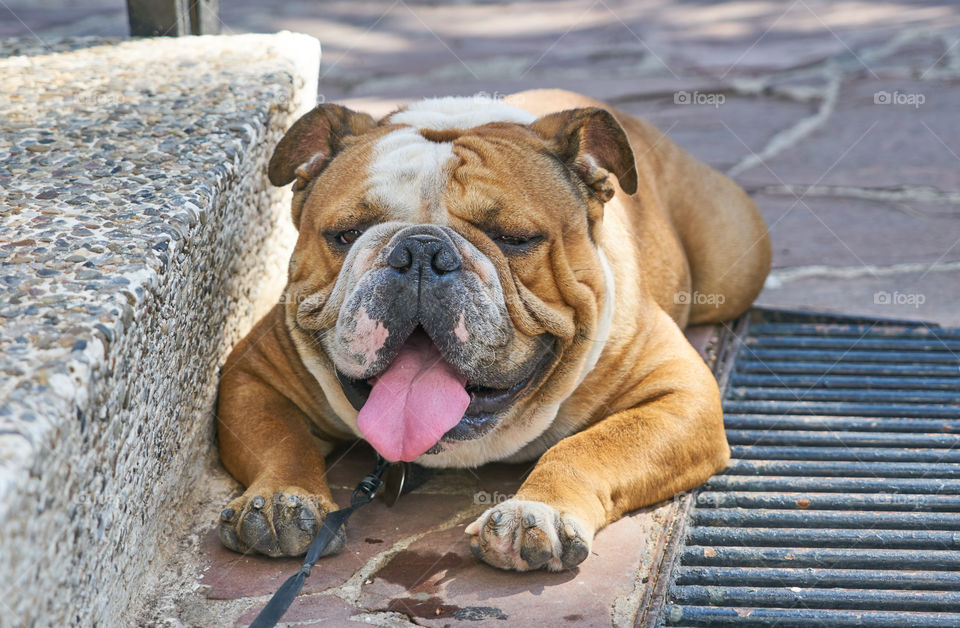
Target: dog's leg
point(670, 439)
point(266, 444)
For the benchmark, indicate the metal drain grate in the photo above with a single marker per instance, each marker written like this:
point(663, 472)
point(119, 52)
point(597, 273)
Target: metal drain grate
point(841, 505)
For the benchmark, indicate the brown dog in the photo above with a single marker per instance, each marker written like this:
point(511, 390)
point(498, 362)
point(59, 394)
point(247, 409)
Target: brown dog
point(471, 284)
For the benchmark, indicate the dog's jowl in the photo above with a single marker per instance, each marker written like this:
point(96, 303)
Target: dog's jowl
point(480, 280)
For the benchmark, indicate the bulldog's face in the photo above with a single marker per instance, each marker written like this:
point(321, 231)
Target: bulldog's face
point(446, 289)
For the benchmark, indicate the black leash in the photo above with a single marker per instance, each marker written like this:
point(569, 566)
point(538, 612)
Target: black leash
point(362, 495)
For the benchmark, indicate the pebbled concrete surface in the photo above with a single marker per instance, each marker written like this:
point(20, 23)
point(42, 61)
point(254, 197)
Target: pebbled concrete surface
point(139, 241)
point(788, 98)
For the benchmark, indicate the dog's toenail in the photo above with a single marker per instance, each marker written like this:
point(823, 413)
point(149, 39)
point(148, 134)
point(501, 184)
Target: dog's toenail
point(227, 514)
point(307, 524)
point(570, 532)
point(257, 502)
point(293, 501)
point(496, 517)
point(529, 520)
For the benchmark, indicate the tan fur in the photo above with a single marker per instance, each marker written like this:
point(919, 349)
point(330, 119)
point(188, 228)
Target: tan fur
point(644, 424)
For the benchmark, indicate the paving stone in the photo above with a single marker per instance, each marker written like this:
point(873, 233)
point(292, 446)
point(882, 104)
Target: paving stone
point(857, 232)
point(309, 610)
point(701, 337)
point(438, 582)
point(381, 99)
point(756, 38)
point(88, 18)
point(370, 531)
point(886, 144)
point(925, 295)
point(922, 57)
point(609, 89)
point(717, 127)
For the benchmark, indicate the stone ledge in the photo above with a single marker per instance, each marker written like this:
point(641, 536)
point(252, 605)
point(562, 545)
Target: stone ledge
point(139, 240)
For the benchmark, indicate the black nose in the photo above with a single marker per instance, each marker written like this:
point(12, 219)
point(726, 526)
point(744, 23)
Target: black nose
point(424, 253)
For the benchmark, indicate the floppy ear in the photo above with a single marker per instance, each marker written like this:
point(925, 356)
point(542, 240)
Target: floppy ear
point(312, 142)
point(592, 144)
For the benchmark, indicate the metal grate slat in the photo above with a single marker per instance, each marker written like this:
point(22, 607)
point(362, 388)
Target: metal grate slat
point(899, 396)
point(821, 598)
point(820, 468)
point(828, 380)
point(945, 411)
point(876, 330)
point(844, 357)
point(897, 486)
point(798, 367)
point(841, 505)
point(826, 518)
point(847, 454)
point(843, 423)
point(824, 537)
point(805, 617)
point(826, 578)
point(847, 343)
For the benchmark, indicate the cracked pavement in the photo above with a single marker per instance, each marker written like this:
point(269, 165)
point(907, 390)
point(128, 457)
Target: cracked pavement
point(839, 118)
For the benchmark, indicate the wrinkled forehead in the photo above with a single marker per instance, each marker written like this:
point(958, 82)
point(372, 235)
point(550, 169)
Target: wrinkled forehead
point(409, 172)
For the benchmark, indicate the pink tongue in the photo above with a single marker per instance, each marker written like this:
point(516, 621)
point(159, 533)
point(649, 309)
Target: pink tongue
point(414, 402)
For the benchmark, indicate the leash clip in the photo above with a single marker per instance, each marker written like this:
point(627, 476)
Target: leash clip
point(401, 480)
point(368, 487)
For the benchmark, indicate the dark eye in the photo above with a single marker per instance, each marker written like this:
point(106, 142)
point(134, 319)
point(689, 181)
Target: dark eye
point(513, 240)
point(348, 237)
point(513, 243)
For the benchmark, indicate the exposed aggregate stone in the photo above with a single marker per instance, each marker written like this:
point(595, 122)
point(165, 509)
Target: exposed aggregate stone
point(139, 239)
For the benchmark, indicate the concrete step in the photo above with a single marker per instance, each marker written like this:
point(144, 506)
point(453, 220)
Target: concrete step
point(139, 240)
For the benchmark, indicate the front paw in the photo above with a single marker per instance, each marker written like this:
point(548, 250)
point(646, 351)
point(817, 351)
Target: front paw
point(524, 535)
point(276, 522)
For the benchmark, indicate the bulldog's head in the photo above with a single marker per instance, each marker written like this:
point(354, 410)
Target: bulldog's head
point(447, 290)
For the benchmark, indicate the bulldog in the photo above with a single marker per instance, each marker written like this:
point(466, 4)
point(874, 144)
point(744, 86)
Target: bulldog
point(482, 280)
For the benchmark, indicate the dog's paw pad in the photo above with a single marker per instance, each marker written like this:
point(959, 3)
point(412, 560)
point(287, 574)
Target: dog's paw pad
point(524, 535)
point(278, 523)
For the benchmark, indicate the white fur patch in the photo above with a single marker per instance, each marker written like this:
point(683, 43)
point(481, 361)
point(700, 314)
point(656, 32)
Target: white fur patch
point(510, 443)
point(606, 319)
point(325, 375)
point(408, 175)
point(459, 113)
